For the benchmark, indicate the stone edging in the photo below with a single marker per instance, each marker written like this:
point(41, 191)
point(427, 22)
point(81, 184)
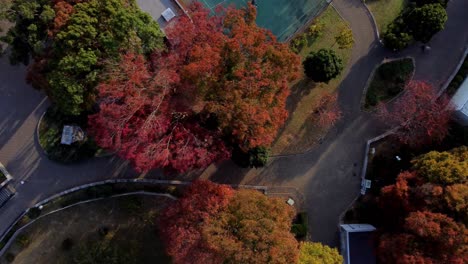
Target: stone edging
point(371, 77)
point(17, 232)
point(374, 22)
point(449, 80)
point(37, 133)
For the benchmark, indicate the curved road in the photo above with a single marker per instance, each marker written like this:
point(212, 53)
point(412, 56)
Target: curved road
point(324, 175)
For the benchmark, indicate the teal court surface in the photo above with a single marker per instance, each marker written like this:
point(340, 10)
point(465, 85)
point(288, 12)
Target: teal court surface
point(282, 17)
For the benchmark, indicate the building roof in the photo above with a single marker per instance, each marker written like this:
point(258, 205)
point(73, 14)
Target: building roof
point(460, 99)
point(361, 249)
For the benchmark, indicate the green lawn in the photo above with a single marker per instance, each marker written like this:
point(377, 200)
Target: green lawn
point(122, 228)
point(385, 11)
point(301, 132)
point(388, 81)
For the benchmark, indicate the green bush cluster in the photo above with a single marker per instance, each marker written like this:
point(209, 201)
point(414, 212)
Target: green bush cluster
point(459, 78)
point(51, 133)
point(302, 40)
point(299, 226)
point(254, 158)
point(388, 81)
point(417, 22)
point(323, 65)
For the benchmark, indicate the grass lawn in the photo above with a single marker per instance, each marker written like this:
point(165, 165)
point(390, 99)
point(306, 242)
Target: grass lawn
point(385, 11)
point(388, 81)
point(301, 132)
point(125, 226)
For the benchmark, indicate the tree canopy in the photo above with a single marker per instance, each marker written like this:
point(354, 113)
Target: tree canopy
point(221, 84)
point(214, 224)
point(425, 21)
point(70, 42)
point(421, 117)
point(323, 65)
point(316, 253)
point(447, 167)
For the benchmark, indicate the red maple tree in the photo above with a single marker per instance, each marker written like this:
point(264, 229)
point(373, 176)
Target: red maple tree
point(421, 116)
point(235, 71)
point(138, 119)
point(221, 79)
point(327, 109)
point(181, 223)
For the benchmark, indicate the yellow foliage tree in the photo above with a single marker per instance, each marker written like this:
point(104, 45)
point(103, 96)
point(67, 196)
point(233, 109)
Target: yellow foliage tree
point(316, 253)
point(448, 167)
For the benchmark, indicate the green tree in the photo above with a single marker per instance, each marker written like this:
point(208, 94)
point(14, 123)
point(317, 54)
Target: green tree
point(345, 38)
point(397, 40)
point(448, 167)
point(254, 158)
point(424, 22)
point(323, 65)
point(80, 41)
point(426, 2)
point(316, 253)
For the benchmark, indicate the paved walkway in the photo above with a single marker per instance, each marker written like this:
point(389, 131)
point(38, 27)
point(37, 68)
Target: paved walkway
point(325, 175)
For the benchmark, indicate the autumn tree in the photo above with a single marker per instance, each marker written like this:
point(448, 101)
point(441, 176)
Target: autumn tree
point(182, 224)
point(222, 78)
point(213, 224)
point(421, 117)
point(427, 238)
point(447, 167)
point(327, 109)
point(316, 253)
point(345, 38)
point(238, 72)
point(137, 118)
point(323, 65)
point(456, 197)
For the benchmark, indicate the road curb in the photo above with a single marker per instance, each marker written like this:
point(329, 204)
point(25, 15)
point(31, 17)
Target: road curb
point(374, 22)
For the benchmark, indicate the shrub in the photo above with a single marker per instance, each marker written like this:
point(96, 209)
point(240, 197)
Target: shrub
point(10, 257)
point(426, 2)
point(299, 226)
point(23, 240)
point(34, 213)
point(67, 244)
point(254, 158)
point(323, 65)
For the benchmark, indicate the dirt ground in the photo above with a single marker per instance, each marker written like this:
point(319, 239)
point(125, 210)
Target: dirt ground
point(126, 223)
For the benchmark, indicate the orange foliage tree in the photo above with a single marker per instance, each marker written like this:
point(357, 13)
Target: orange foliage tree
point(222, 82)
point(427, 238)
point(213, 224)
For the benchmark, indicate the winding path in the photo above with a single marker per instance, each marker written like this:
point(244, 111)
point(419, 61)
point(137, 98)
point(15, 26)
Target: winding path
point(324, 175)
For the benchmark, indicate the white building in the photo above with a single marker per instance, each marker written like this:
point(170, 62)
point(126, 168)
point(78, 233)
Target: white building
point(460, 104)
